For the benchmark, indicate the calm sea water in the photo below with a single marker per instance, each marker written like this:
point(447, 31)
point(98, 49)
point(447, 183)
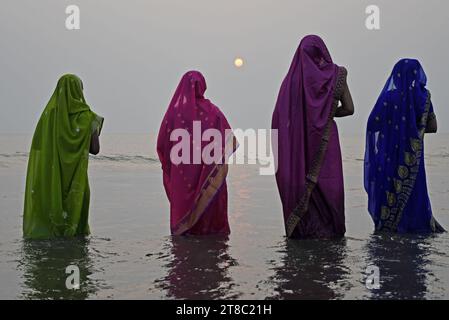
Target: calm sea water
point(131, 255)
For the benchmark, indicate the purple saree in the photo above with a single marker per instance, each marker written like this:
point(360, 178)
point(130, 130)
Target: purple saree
point(309, 164)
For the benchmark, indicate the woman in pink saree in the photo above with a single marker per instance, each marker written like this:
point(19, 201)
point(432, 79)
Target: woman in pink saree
point(309, 164)
point(196, 189)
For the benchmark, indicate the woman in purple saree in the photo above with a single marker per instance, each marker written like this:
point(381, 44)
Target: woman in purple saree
point(309, 164)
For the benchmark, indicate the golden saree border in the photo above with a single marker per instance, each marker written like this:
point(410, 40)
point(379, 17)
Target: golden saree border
point(312, 176)
point(209, 190)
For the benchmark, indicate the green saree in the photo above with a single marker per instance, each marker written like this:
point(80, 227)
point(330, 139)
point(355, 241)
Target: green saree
point(57, 187)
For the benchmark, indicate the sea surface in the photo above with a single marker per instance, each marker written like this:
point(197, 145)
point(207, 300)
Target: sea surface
point(131, 255)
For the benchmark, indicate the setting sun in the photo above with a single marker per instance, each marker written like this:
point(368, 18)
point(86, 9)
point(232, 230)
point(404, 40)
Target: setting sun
point(238, 62)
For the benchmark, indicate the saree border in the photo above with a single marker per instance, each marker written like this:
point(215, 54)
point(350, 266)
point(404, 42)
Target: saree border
point(210, 188)
point(312, 176)
point(396, 201)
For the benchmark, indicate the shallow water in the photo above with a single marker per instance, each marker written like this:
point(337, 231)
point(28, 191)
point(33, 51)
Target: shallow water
point(130, 254)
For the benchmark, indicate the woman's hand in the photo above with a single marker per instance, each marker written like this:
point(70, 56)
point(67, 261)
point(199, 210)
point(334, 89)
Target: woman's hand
point(432, 125)
point(94, 143)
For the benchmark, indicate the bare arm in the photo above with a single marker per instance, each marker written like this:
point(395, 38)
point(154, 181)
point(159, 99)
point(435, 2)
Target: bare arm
point(94, 143)
point(432, 125)
point(347, 105)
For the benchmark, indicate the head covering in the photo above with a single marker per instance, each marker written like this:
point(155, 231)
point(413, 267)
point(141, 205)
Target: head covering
point(303, 117)
point(57, 188)
point(394, 175)
point(194, 187)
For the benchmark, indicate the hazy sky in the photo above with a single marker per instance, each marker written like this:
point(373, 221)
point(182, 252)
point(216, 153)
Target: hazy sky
point(132, 53)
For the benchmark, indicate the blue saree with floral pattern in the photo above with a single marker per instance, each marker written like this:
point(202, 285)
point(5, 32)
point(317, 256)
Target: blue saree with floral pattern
point(394, 172)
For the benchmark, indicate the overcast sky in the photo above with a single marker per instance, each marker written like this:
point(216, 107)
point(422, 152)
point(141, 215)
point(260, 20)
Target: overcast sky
point(132, 53)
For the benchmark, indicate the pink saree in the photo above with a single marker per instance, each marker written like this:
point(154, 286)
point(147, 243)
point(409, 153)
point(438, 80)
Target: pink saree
point(197, 191)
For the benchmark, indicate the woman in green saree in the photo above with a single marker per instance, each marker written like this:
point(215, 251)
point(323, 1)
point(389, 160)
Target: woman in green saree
point(57, 187)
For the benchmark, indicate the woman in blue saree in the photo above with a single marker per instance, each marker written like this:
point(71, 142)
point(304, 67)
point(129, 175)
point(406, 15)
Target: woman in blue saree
point(395, 177)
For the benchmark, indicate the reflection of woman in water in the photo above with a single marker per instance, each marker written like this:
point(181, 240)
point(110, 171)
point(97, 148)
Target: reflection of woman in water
point(395, 176)
point(44, 266)
point(57, 188)
point(402, 266)
point(312, 269)
point(309, 169)
point(199, 268)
